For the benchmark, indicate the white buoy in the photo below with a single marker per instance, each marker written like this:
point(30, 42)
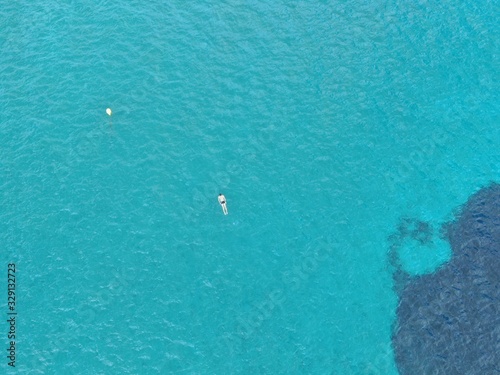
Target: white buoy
point(108, 111)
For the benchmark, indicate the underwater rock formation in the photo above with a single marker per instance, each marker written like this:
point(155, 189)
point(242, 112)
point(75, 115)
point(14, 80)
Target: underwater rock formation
point(448, 322)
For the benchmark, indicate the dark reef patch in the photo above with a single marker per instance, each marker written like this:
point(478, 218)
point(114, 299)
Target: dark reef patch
point(418, 230)
point(448, 322)
point(410, 230)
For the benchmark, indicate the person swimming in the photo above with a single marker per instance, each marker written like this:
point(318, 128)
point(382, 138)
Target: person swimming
point(222, 201)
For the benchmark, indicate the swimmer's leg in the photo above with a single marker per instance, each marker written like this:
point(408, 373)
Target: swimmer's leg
point(224, 209)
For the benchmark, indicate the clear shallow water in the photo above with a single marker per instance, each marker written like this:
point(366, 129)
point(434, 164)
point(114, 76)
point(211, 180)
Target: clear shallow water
point(324, 120)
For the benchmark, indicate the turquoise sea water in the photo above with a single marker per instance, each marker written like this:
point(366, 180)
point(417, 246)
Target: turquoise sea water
point(324, 123)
